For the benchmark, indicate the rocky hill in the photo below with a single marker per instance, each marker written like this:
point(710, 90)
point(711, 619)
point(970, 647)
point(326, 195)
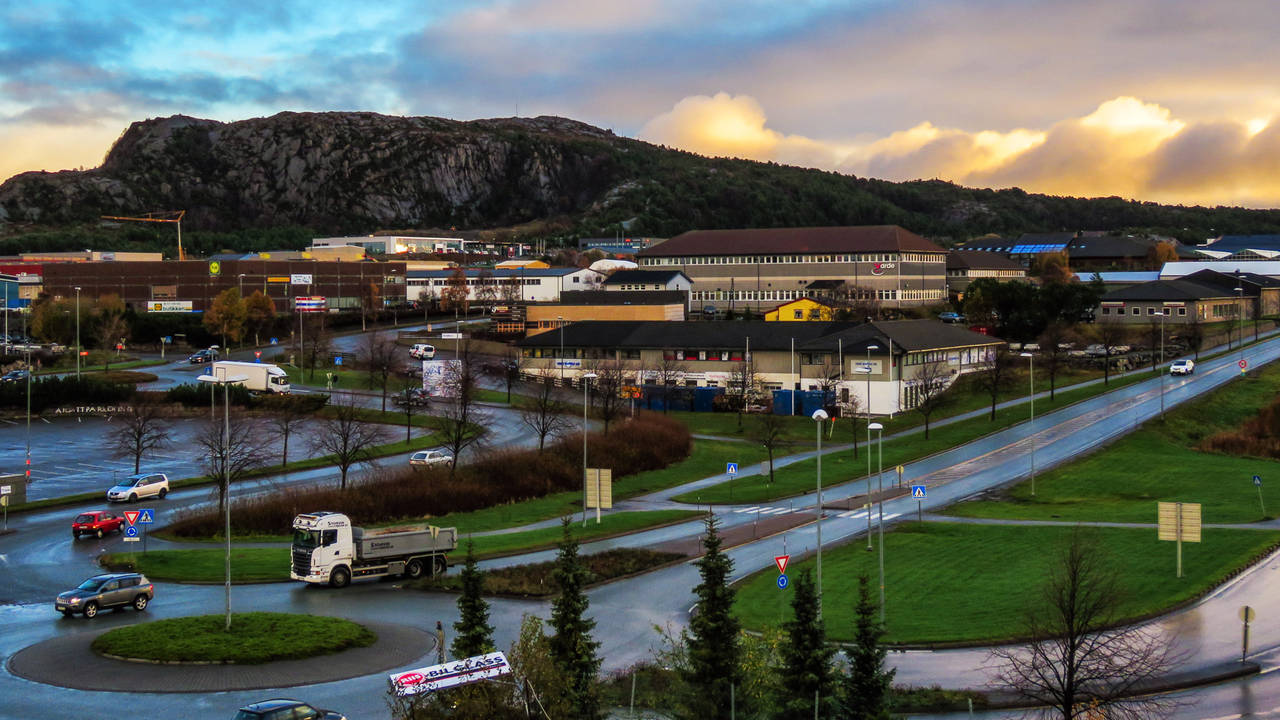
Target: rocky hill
point(358, 172)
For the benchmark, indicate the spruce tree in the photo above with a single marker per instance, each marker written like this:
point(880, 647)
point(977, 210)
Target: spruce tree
point(806, 659)
point(865, 691)
point(474, 634)
point(715, 651)
point(572, 648)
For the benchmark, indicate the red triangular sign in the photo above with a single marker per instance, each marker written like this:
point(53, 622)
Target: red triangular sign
point(781, 562)
point(131, 516)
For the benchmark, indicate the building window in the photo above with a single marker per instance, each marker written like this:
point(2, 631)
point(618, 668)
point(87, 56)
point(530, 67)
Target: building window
point(1182, 311)
point(1151, 311)
point(1135, 311)
point(797, 314)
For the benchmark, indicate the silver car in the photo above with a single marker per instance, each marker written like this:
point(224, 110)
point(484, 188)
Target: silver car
point(106, 591)
point(137, 487)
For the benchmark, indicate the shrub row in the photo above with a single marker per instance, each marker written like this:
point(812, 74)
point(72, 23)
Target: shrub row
point(1259, 436)
point(647, 442)
point(196, 395)
point(50, 392)
point(535, 580)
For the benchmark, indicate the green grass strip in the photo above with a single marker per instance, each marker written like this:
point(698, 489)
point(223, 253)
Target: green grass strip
point(255, 637)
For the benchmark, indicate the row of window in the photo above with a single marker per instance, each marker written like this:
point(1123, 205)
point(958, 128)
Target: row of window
point(795, 259)
point(784, 295)
point(1182, 311)
point(637, 286)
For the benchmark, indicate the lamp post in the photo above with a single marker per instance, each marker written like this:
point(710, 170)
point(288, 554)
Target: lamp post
point(869, 349)
point(560, 357)
point(77, 332)
point(226, 382)
point(819, 416)
point(880, 502)
point(1031, 377)
point(1164, 310)
point(867, 369)
point(1240, 313)
point(586, 380)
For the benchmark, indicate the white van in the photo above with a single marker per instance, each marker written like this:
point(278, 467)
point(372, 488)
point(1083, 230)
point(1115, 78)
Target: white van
point(422, 351)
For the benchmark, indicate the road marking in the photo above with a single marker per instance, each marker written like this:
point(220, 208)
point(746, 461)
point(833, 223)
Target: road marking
point(750, 509)
point(854, 514)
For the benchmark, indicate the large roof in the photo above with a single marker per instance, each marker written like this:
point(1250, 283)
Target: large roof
point(643, 276)
point(980, 260)
point(846, 239)
point(905, 334)
point(1270, 268)
point(1181, 289)
point(498, 272)
point(1236, 243)
point(624, 297)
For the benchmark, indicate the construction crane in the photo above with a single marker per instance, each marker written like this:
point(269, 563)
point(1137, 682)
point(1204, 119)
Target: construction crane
point(164, 216)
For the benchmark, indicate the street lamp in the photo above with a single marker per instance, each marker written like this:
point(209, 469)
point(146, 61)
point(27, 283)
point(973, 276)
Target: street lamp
point(77, 332)
point(226, 383)
point(1031, 377)
point(586, 380)
point(1164, 310)
point(819, 416)
point(867, 370)
point(1240, 313)
point(560, 357)
point(880, 501)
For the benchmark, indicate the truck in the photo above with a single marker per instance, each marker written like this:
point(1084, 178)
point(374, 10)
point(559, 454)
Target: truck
point(261, 377)
point(328, 549)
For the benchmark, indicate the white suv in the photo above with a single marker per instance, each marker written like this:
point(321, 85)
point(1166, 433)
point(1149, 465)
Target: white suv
point(431, 457)
point(1182, 367)
point(137, 487)
point(422, 351)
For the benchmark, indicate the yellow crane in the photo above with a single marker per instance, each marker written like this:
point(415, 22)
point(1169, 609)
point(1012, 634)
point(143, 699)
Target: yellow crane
point(163, 216)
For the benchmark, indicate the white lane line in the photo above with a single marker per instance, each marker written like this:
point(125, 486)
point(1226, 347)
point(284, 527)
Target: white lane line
point(747, 510)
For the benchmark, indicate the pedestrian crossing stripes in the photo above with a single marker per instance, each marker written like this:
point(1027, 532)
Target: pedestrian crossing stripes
point(851, 514)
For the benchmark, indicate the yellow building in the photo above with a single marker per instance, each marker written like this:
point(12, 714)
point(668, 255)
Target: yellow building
point(521, 264)
point(803, 309)
point(576, 306)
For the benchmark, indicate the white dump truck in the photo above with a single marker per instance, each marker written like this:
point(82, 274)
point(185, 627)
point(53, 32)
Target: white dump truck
point(260, 377)
point(327, 548)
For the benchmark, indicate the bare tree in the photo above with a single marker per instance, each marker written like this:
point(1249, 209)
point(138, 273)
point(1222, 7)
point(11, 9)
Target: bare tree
point(828, 382)
point(112, 329)
point(409, 404)
point(744, 385)
point(506, 368)
point(849, 409)
point(606, 389)
point(771, 432)
point(1053, 356)
point(993, 374)
point(316, 339)
point(1155, 336)
point(545, 415)
point(346, 437)
point(137, 432)
point(928, 390)
point(460, 419)
point(229, 456)
point(1110, 333)
point(370, 304)
point(382, 358)
point(1077, 656)
point(486, 289)
point(286, 420)
point(1193, 335)
point(666, 374)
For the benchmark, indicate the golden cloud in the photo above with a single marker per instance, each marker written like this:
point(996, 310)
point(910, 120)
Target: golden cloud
point(1125, 147)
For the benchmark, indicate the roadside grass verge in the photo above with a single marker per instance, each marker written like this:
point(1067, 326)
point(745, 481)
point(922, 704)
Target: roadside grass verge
point(254, 638)
point(1159, 462)
point(271, 564)
point(960, 583)
point(798, 478)
point(535, 579)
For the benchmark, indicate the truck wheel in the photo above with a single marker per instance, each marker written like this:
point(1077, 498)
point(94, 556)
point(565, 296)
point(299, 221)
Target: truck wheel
point(438, 566)
point(340, 578)
point(413, 568)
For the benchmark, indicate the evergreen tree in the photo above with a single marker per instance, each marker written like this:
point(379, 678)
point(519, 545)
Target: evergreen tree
point(572, 648)
point(715, 651)
point(865, 691)
point(806, 659)
point(474, 634)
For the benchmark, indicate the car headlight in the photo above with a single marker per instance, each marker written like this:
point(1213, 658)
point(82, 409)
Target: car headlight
point(73, 601)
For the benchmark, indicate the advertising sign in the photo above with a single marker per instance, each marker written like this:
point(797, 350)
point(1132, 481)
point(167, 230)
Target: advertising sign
point(300, 279)
point(435, 375)
point(451, 674)
point(277, 278)
point(314, 303)
point(169, 306)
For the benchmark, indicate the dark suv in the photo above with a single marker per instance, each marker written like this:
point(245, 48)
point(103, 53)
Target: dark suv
point(106, 591)
point(285, 710)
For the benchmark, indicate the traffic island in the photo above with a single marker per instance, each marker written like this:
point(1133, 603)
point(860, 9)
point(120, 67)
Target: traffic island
point(396, 646)
point(253, 638)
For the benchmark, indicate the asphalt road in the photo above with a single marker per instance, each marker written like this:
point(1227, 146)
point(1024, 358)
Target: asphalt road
point(39, 559)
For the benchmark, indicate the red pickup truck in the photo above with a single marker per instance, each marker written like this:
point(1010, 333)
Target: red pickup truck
point(96, 522)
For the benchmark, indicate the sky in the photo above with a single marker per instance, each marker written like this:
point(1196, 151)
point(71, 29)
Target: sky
point(1164, 100)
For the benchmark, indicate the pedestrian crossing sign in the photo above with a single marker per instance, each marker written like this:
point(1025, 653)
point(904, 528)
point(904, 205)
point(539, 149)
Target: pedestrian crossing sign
point(731, 468)
point(917, 492)
point(146, 517)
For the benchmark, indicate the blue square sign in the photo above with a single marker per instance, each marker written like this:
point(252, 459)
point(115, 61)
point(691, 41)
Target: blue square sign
point(731, 468)
point(917, 492)
point(146, 517)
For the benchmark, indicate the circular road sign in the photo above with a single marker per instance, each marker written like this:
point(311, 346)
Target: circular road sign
point(1247, 614)
point(1243, 363)
point(782, 582)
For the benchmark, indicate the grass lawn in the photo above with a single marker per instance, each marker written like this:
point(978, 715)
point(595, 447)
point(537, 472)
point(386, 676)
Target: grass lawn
point(1104, 486)
point(798, 478)
point(346, 379)
point(272, 564)
point(255, 637)
point(956, 582)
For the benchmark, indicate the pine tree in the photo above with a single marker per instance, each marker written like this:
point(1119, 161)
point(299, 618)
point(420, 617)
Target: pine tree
point(715, 651)
point(865, 691)
point(572, 648)
point(474, 634)
point(806, 659)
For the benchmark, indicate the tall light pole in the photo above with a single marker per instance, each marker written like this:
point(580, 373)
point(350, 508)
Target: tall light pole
point(77, 332)
point(1031, 376)
point(880, 453)
point(819, 416)
point(869, 349)
point(586, 380)
point(226, 382)
point(1240, 312)
point(1164, 310)
point(869, 424)
point(560, 358)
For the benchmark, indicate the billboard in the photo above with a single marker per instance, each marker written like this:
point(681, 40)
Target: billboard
point(451, 674)
point(300, 279)
point(314, 303)
point(169, 306)
point(435, 378)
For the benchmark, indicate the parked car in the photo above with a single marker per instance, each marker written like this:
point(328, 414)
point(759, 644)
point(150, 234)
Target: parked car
point(1182, 367)
point(137, 487)
point(96, 522)
point(207, 355)
point(422, 351)
point(281, 709)
point(431, 457)
point(15, 376)
point(1096, 350)
point(951, 317)
point(106, 591)
point(416, 397)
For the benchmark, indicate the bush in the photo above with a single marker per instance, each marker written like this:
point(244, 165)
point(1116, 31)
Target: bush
point(1258, 436)
point(647, 442)
point(534, 579)
point(305, 404)
point(197, 395)
point(52, 392)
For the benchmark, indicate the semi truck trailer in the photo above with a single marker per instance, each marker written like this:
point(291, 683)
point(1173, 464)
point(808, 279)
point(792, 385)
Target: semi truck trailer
point(328, 549)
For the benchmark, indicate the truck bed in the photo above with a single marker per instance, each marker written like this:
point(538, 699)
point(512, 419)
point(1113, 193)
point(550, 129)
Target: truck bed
point(399, 542)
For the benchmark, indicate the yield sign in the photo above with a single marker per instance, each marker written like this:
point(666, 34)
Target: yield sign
point(131, 516)
point(781, 562)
